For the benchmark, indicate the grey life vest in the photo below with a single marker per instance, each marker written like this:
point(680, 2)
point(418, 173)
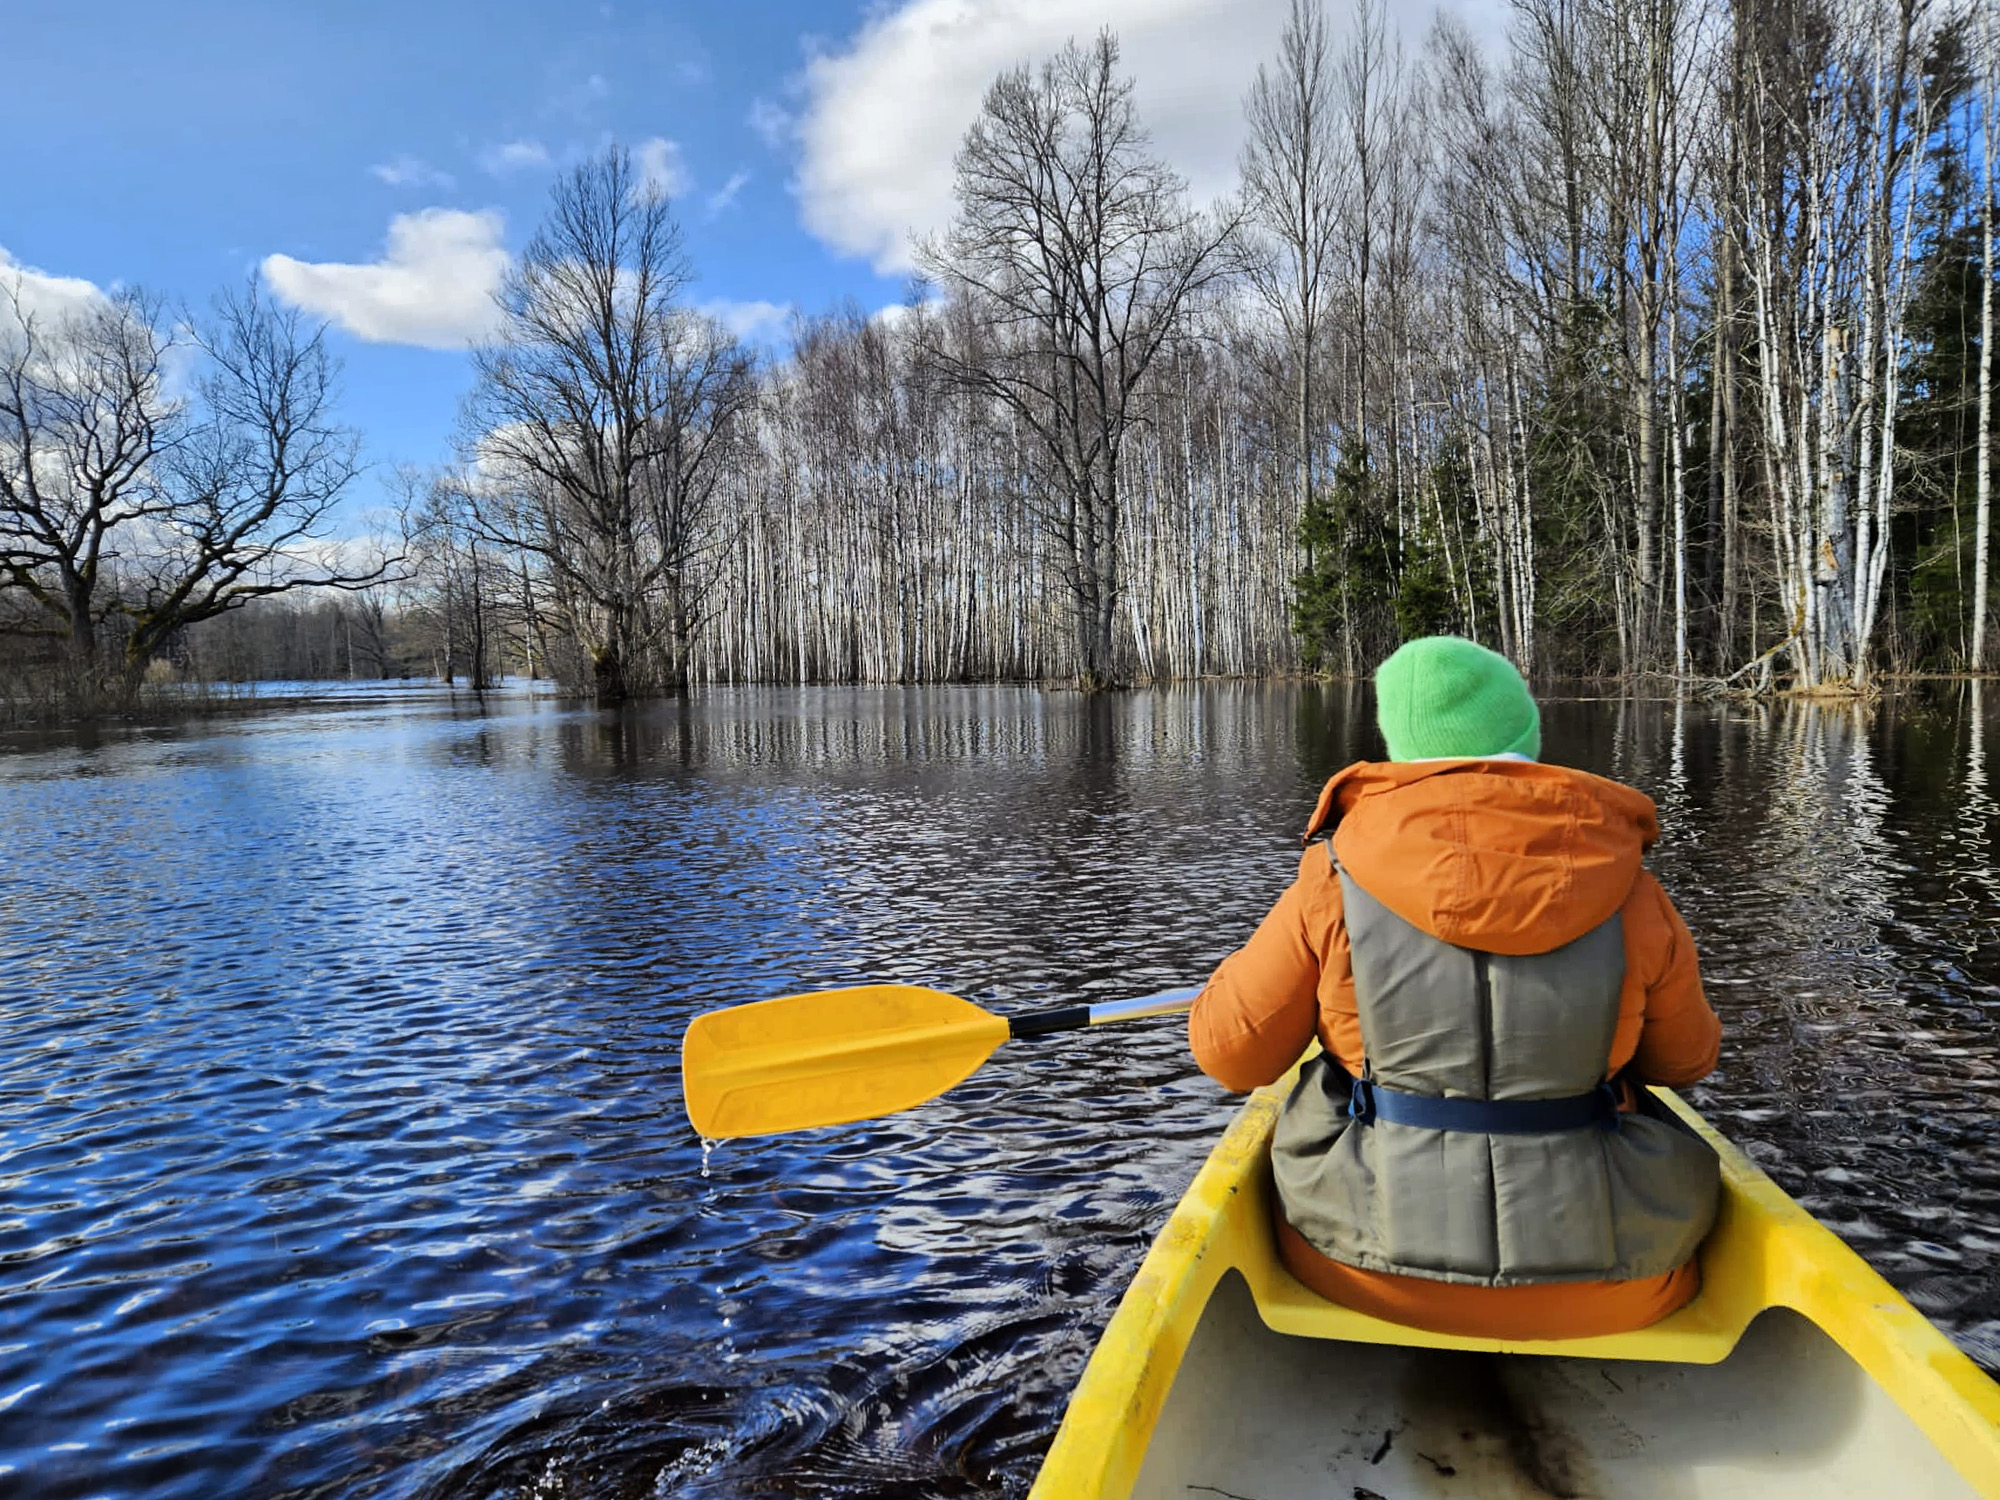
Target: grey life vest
point(1623, 1197)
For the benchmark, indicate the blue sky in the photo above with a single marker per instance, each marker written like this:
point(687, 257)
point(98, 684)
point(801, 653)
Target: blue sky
point(176, 146)
point(376, 163)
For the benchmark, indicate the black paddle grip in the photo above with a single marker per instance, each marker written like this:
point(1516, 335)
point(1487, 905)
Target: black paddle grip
point(1048, 1022)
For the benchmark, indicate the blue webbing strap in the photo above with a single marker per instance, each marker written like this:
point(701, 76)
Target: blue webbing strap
point(1370, 1101)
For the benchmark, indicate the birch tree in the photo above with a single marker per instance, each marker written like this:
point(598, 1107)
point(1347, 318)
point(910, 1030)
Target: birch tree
point(1292, 176)
point(1989, 143)
point(1075, 245)
point(1837, 168)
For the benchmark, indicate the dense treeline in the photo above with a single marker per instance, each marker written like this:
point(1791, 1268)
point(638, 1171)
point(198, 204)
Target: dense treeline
point(1653, 347)
point(1661, 344)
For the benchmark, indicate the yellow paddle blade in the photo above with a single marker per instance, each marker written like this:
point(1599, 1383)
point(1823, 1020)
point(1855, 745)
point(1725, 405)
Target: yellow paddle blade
point(829, 1057)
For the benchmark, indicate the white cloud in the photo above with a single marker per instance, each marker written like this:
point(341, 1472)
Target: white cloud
point(48, 300)
point(513, 156)
point(404, 170)
point(753, 322)
point(896, 314)
point(772, 122)
point(884, 117)
point(661, 167)
point(348, 556)
point(43, 297)
point(724, 197)
point(579, 100)
point(433, 285)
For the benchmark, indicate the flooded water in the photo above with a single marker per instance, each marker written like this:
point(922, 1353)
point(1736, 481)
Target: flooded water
point(341, 1147)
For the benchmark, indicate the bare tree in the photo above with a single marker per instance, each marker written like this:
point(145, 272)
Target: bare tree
point(1369, 97)
point(1292, 178)
point(369, 619)
point(84, 425)
point(1483, 205)
point(1076, 248)
point(1989, 141)
point(1838, 153)
point(254, 484)
point(458, 593)
point(706, 386)
point(125, 508)
point(599, 421)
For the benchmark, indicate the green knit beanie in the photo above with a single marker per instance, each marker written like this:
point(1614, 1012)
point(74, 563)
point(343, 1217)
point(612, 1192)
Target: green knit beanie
point(1447, 696)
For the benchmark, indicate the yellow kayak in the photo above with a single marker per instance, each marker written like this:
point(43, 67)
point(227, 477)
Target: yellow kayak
point(1796, 1371)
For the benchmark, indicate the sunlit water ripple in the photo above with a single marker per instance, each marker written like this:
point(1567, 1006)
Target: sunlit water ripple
point(341, 1150)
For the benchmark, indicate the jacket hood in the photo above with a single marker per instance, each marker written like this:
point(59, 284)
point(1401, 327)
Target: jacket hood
point(1502, 856)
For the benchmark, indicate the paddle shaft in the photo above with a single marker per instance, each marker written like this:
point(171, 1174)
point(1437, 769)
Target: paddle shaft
point(1040, 1023)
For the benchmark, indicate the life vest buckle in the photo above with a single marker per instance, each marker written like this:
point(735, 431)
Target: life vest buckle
point(1361, 1100)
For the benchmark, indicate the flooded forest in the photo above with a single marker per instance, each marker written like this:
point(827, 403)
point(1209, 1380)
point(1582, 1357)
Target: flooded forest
point(343, 1140)
point(1656, 342)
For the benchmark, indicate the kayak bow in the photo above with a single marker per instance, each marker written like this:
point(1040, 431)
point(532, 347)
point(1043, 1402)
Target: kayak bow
point(1796, 1371)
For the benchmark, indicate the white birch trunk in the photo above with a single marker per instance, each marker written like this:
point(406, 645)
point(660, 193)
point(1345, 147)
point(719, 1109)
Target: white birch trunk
point(1989, 135)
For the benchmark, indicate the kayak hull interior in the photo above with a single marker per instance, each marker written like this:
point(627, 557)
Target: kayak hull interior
point(1269, 1416)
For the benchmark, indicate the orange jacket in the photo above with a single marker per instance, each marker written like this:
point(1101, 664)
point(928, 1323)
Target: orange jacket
point(1503, 856)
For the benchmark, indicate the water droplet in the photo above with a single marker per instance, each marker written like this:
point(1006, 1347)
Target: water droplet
point(706, 1146)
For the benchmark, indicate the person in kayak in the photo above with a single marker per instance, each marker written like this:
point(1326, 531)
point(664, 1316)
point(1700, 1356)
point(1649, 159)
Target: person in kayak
point(1490, 973)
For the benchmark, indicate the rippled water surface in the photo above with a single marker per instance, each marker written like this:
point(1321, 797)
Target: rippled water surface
point(341, 1149)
